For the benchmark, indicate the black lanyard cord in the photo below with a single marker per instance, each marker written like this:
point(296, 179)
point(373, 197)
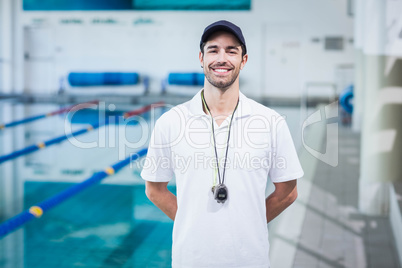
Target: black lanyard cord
point(227, 142)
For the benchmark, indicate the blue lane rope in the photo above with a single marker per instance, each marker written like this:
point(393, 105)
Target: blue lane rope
point(37, 117)
point(22, 121)
point(37, 210)
point(41, 145)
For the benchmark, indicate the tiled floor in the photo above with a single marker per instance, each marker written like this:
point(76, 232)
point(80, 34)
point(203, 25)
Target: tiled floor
point(334, 233)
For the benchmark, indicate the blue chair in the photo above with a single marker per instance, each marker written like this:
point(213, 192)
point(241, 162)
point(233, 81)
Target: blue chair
point(106, 80)
point(184, 81)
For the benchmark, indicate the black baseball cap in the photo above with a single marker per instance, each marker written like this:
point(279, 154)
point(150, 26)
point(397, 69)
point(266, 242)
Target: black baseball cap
point(223, 25)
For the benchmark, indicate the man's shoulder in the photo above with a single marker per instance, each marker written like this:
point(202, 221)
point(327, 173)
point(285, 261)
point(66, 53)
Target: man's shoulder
point(260, 109)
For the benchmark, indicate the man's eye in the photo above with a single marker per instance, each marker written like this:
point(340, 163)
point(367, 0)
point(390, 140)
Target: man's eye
point(212, 51)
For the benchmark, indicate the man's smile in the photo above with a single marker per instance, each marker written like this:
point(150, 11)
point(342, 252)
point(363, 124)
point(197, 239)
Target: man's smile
point(221, 70)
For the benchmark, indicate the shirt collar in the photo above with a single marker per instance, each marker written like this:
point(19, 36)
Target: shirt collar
point(243, 110)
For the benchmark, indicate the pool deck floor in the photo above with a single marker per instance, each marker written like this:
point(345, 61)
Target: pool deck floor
point(334, 233)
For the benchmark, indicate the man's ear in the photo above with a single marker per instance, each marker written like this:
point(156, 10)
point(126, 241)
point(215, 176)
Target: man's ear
point(201, 57)
point(243, 62)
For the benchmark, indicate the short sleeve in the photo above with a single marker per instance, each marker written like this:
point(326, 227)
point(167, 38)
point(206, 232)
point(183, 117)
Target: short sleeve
point(285, 162)
point(158, 163)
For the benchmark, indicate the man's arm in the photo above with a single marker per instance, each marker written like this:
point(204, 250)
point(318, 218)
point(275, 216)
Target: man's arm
point(159, 194)
point(284, 195)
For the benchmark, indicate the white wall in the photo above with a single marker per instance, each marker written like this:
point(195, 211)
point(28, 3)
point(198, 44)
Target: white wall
point(278, 35)
point(5, 46)
point(11, 47)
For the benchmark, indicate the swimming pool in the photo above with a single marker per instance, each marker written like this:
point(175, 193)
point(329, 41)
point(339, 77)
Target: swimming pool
point(111, 224)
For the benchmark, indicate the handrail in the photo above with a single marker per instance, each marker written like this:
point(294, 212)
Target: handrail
point(37, 210)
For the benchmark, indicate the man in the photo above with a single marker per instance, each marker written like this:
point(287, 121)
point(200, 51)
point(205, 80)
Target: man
point(221, 147)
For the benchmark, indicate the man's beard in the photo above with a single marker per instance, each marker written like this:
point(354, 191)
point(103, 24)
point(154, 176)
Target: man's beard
point(221, 84)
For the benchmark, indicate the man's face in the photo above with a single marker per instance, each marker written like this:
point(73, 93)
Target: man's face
point(222, 60)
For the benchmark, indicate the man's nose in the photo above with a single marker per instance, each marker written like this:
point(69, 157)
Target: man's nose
point(221, 56)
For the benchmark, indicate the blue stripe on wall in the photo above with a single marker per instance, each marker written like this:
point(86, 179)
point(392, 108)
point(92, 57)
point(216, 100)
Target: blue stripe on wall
point(36, 5)
point(60, 5)
point(191, 5)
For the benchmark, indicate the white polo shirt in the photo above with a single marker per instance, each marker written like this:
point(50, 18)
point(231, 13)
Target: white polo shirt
point(235, 233)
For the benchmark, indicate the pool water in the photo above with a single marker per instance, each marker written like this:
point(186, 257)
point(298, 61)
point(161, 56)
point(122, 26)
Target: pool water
point(104, 226)
point(112, 224)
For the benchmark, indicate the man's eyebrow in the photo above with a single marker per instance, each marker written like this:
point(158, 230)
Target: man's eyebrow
point(228, 47)
point(233, 47)
point(212, 47)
